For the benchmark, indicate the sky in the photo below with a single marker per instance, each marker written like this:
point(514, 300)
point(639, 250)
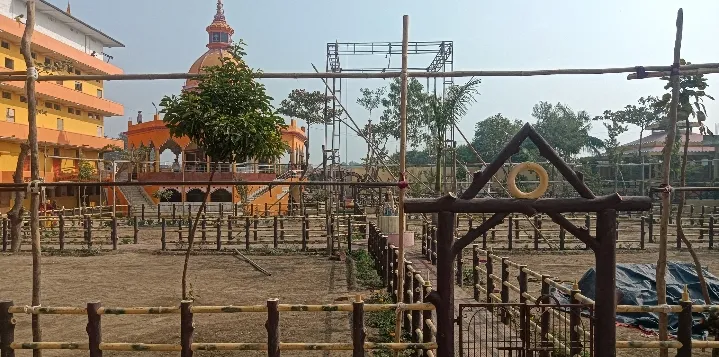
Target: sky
point(163, 36)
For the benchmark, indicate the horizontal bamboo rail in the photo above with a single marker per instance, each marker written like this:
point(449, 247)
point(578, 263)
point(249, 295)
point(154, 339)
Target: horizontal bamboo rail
point(285, 346)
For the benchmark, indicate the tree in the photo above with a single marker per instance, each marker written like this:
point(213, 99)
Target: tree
point(229, 116)
point(16, 213)
point(417, 104)
point(133, 157)
point(493, 133)
point(370, 100)
point(612, 148)
point(310, 107)
point(567, 131)
point(443, 115)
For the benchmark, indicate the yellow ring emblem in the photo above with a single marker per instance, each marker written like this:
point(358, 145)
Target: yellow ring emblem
point(543, 181)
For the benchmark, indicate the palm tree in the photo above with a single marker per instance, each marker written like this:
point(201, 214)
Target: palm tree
point(443, 115)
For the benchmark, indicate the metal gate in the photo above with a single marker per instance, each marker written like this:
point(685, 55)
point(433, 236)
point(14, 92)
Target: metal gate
point(525, 330)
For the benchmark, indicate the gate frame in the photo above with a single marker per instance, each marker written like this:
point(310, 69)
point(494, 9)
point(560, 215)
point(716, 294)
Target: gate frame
point(603, 245)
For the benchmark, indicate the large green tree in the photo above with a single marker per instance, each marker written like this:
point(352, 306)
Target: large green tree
point(417, 103)
point(566, 130)
point(493, 133)
point(230, 117)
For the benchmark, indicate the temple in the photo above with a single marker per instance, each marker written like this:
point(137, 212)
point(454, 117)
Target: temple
point(189, 162)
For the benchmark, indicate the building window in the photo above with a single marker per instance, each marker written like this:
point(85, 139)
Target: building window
point(56, 107)
point(99, 93)
point(77, 72)
point(99, 131)
point(48, 105)
point(60, 124)
point(9, 63)
point(48, 61)
point(70, 110)
point(78, 86)
point(78, 112)
point(5, 44)
point(33, 55)
point(23, 99)
point(6, 95)
point(10, 115)
point(55, 151)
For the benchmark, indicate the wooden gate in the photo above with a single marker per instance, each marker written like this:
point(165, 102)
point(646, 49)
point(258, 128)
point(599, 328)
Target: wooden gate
point(525, 330)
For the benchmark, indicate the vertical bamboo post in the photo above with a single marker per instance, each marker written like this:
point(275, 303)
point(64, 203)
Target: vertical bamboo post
point(135, 231)
point(273, 328)
point(187, 328)
point(203, 227)
point(426, 315)
point(416, 314)
point(475, 271)
point(407, 293)
point(516, 231)
point(562, 237)
point(490, 282)
point(7, 329)
point(402, 157)
point(545, 319)
point(61, 230)
point(113, 232)
point(537, 225)
point(396, 278)
point(575, 322)
point(424, 238)
point(588, 224)
point(358, 329)
point(711, 232)
point(275, 235)
point(509, 233)
point(642, 231)
point(504, 293)
point(4, 234)
point(282, 228)
point(523, 283)
point(158, 212)
point(142, 212)
point(305, 232)
point(255, 223)
point(349, 234)
point(88, 231)
point(218, 227)
point(684, 333)
point(94, 329)
point(174, 212)
point(229, 228)
point(434, 246)
point(650, 228)
point(247, 233)
point(163, 236)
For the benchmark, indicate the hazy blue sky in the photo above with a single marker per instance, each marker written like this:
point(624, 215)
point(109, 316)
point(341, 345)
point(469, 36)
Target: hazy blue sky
point(289, 35)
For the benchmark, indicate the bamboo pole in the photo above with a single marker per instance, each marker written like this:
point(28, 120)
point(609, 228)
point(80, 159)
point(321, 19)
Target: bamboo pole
point(666, 176)
point(402, 169)
point(157, 347)
point(705, 67)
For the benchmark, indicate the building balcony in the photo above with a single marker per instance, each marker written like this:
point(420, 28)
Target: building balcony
point(69, 97)
point(19, 132)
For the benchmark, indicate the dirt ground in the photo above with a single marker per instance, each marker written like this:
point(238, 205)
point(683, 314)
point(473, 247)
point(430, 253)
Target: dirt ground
point(144, 279)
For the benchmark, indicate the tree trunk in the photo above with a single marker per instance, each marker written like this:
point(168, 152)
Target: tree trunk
point(438, 167)
point(680, 210)
point(191, 236)
point(25, 48)
point(666, 202)
point(15, 216)
point(641, 161)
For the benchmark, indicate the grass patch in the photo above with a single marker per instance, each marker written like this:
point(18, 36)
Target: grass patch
point(366, 274)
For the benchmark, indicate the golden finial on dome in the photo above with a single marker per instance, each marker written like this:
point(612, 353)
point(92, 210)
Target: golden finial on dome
point(220, 15)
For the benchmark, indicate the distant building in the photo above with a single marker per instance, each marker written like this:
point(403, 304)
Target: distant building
point(71, 113)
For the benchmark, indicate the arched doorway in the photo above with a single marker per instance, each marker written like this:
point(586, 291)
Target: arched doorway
point(175, 196)
point(195, 195)
point(221, 195)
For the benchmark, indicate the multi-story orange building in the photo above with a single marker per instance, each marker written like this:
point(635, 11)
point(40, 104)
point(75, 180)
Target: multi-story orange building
point(71, 114)
point(191, 164)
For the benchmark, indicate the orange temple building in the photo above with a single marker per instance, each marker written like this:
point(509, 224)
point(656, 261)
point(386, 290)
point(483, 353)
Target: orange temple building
point(191, 164)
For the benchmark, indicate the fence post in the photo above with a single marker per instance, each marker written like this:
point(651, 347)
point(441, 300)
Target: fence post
point(88, 228)
point(358, 331)
point(305, 232)
point(221, 209)
point(235, 209)
point(275, 236)
point(523, 282)
point(434, 246)
point(282, 228)
point(267, 210)
point(4, 234)
point(187, 328)
point(575, 322)
point(545, 318)
point(537, 226)
point(711, 232)
point(163, 237)
point(174, 212)
point(158, 212)
point(229, 228)
point(505, 289)
point(509, 233)
point(651, 226)
point(255, 223)
point(349, 234)
point(142, 212)
point(247, 233)
point(426, 315)
point(218, 227)
point(407, 293)
point(490, 282)
point(416, 314)
point(61, 230)
point(562, 237)
point(475, 271)
point(424, 238)
point(94, 329)
point(684, 334)
point(516, 230)
point(7, 329)
point(273, 328)
point(691, 214)
point(135, 231)
point(203, 227)
point(113, 232)
point(396, 290)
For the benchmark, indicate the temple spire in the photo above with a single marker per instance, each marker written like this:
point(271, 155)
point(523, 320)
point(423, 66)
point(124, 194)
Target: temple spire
point(68, 7)
point(220, 15)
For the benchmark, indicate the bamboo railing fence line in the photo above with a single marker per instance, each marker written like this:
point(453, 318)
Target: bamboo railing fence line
point(496, 279)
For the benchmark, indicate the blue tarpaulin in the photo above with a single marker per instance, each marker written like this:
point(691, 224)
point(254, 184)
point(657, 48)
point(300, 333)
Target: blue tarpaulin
point(636, 285)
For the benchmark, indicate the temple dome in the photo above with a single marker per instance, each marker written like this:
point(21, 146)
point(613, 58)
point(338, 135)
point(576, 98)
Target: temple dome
point(220, 39)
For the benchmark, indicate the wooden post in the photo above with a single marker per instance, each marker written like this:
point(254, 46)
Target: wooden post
point(509, 233)
point(523, 283)
point(174, 212)
point(221, 209)
point(575, 322)
point(488, 267)
point(4, 234)
point(642, 231)
point(247, 233)
point(135, 231)
point(159, 216)
point(684, 333)
point(691, 215)
point(229, 228)
point(516, 230)
point(142, 212)
point(305, 232)
point(562, 237)
point(218, 227)
point(475, 271)
point(61, 230)
point(434, 246)
point(7, 329)
point(235, 209)
point(187, 328)
point(651, 226)
point(203, 227)
point(88, 231)
point(349, 234)
point(417, 297)
point(537, 226)
point(426, 315)
point(424, 237)
point(113, 232)
point(163, 237)
point(606, 264)
point(93, 329)
point(267, 210)
point(711, 232)
point(546, 318)
point(275, 235)
point(396, 291)
point(588, 224)
point(445, 286)
point(407, 295)
point(255, 223)
point(273, 328)
point(282, 228)
point(358, 330)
